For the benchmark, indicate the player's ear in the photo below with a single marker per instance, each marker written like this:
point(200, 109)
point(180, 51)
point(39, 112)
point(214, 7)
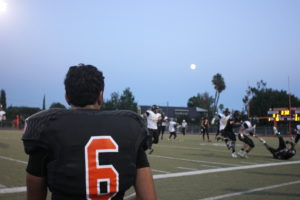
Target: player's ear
point(100, 98)
point(67, 99)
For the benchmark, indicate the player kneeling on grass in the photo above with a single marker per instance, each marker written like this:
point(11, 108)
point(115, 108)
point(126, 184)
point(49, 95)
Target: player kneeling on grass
point(282, 152)
point(245, 131)
point(84, 153)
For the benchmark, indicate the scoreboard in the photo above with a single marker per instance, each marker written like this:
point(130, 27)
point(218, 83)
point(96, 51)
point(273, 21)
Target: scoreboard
point(284, 114)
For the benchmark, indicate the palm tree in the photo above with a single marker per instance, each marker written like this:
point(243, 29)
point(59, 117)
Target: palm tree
point(219, 85)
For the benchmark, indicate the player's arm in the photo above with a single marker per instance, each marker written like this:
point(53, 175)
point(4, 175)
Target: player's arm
point(36, 187)
point(36, 172)
point(144, 185)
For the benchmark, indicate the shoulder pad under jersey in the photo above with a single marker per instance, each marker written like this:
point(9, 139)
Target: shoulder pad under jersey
point(36, 123)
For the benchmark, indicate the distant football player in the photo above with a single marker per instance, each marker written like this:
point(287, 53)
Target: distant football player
point(172, 128)
point(2, 116)
point(164, 120)
point(184, 125)
point(282, 152)
point(297, 137)
point(246, 130)
point(85, 153)
point(153, 116)
point(226, 129)
point(204, 127)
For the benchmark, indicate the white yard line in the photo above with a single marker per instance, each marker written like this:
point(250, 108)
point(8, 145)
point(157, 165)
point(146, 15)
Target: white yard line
point(206, 171)
point(191, 169)
point(250, 191)
point(156, 170)
point(12, 190)
point(210, 166)
point(12, 159)
point(163, 176)
point(189, 160)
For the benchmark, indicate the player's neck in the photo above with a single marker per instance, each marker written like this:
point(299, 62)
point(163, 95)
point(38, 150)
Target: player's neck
point(88, 107)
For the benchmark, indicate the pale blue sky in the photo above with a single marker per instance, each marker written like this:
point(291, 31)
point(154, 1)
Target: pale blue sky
point(148, 46)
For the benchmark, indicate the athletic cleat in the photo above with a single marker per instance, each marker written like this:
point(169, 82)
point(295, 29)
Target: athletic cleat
point(234, 155)
point(262, 140)
point(241, 153)
point(151, 151)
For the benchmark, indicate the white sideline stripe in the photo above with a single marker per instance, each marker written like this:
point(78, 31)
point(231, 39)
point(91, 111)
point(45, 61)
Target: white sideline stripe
point(12, 190)
point(156, 170)
point(192, 169)
point(197, 161)
point(250, 191)
point(12, 159)
point(206, 171)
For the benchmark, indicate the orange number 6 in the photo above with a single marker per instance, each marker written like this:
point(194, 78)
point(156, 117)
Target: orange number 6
point(102, 181)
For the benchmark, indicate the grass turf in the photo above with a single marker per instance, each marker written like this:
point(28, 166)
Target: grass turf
point(185, 154)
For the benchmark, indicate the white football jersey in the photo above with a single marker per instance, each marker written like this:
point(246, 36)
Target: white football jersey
point(248, 128)
point(172, 127)
point(2, 113)
point(223, 120)
point(152, 119)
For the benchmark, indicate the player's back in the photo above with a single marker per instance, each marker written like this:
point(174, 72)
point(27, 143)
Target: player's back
point(89, 151)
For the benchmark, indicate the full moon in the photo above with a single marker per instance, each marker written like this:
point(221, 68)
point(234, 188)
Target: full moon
point(3, 6)
point(193, 66)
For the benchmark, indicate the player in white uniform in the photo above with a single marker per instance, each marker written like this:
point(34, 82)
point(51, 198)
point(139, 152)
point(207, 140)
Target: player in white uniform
point(172, 128)
point(245, 131)
point(164, 120)
point(183, 127)
point(226, 130)
point(2, 116)
point(152, 118)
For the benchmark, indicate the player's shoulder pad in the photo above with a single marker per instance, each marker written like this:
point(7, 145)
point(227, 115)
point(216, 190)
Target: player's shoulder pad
point(36, 123)
point(125, 113)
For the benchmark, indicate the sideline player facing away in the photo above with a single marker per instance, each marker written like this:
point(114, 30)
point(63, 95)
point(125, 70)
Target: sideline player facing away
point(282, 152)
point(85, 153)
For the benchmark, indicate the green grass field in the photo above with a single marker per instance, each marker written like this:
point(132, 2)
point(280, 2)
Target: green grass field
point(185, 169)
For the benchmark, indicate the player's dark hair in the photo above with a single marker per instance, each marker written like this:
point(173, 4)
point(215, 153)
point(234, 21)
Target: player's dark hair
point(83, 84)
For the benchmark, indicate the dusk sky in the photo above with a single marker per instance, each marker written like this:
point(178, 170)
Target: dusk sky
point(149, 46)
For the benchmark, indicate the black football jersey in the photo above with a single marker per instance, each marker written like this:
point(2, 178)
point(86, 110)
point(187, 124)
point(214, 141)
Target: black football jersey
point(91, 154)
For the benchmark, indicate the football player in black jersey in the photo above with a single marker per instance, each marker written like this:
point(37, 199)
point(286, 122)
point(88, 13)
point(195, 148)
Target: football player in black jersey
point(282, 152)
point(85, 153)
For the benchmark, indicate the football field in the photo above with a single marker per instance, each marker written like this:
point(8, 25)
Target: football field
point(184, 169)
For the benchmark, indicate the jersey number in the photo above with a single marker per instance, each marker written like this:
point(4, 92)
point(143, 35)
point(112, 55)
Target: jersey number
point(102, 181)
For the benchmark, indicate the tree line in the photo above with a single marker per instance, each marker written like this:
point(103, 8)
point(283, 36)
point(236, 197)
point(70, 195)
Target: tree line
point(257, 100)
